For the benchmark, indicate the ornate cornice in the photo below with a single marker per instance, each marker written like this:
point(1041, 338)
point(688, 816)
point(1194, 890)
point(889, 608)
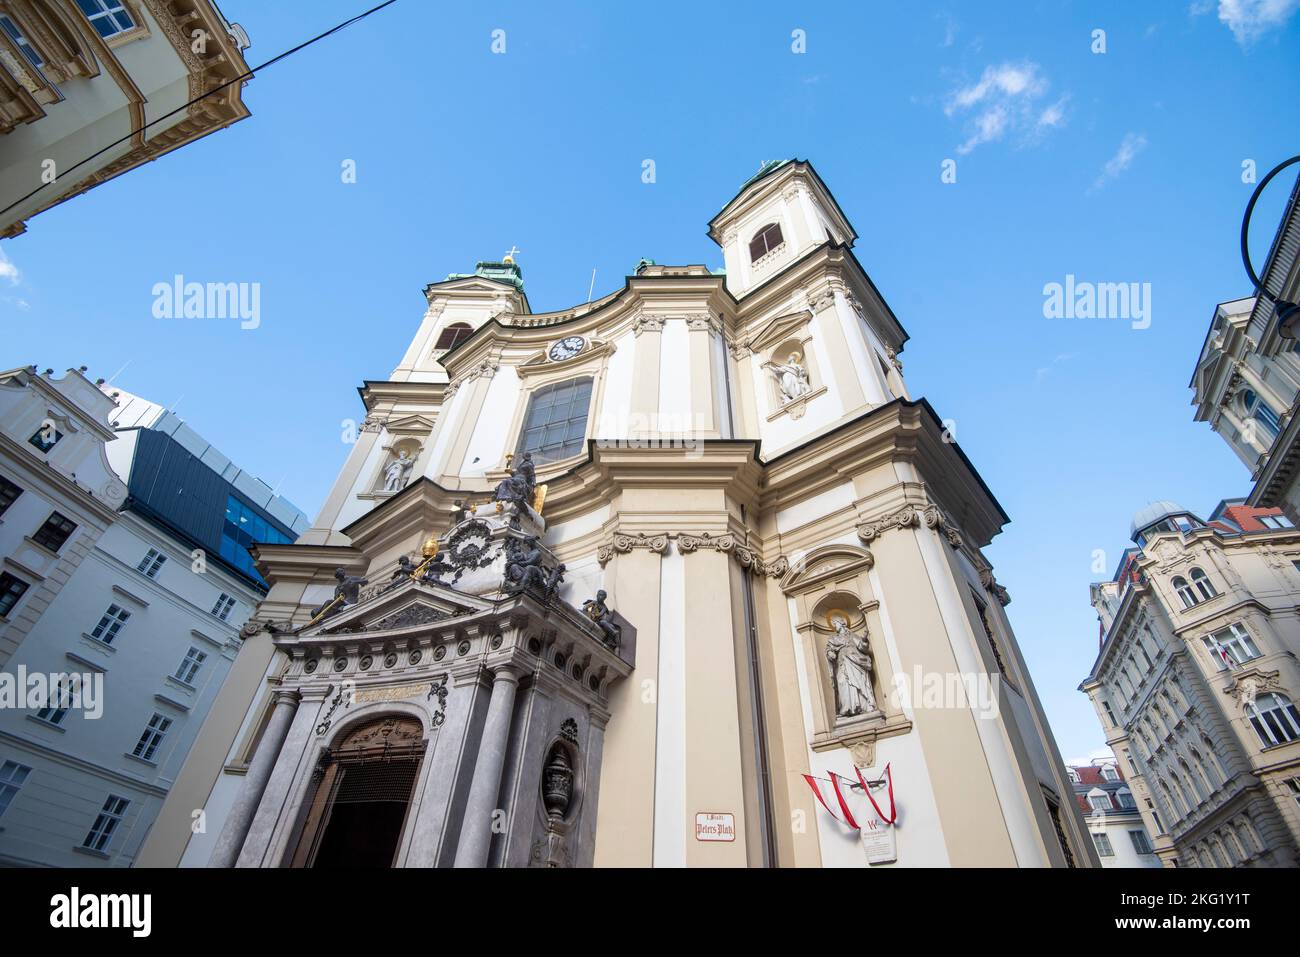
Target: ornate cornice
point(622, 543)
point(703, 322)
point(485, 370)
point(933, 517)
point(909, 516)
point(686, 544)
point(643, 323)
point(819, 297)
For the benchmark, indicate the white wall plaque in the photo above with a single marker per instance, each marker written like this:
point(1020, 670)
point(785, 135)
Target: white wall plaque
point(879, 840)
point(711, 826)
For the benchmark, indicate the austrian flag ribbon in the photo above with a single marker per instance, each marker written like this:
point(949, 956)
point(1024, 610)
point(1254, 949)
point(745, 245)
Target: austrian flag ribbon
point(844, 806)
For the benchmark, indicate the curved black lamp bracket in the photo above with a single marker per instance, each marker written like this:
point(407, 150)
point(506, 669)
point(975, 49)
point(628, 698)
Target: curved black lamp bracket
point(1288, 313)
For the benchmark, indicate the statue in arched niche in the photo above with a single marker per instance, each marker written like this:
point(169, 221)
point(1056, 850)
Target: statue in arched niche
point(852, 670)
point(791, 377)
point(398, 472)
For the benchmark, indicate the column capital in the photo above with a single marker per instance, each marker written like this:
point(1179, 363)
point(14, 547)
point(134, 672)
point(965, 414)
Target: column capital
point(506, 671)
point(287, 696)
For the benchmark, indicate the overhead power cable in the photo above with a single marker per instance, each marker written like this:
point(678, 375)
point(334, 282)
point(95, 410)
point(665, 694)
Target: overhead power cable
point(198, 99)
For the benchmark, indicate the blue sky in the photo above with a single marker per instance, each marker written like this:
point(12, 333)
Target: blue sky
point(1123, 166)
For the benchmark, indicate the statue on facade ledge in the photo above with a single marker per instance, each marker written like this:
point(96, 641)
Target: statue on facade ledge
point(525, 570)
point(405, 569)
point(603, 618)
point(347, 592)
point(851, 668)
point(518, 487)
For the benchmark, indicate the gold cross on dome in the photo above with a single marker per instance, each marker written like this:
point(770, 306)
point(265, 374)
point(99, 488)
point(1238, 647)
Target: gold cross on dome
point(510, 255)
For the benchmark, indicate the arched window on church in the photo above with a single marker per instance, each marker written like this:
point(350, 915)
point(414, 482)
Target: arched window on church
point(454, 335)
point(555, 424)
point(765, 240)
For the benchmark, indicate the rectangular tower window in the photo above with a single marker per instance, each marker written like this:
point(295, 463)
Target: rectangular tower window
point(1103, 845)
point(1140, 842)
point(110, 816)
point(110, 623)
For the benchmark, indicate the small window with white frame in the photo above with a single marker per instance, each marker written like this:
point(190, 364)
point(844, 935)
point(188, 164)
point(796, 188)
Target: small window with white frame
point(1231, 647)
point(152, 737)
point(190, 665)
point(1141, 843)
point(1100, 801)
point(108, 17)
point(110, 624)
point(106, 822)
point(1102, 843)
point(151, 563)
point(12, 776)
point(224, 606)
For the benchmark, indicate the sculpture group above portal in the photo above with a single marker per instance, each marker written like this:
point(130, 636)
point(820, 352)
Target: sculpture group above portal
point(518, 487)
point(526, 571)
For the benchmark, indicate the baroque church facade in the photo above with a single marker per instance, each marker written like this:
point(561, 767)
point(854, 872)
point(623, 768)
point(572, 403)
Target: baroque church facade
point(682, 576)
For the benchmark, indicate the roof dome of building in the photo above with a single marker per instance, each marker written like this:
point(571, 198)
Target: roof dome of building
point(1154, 512)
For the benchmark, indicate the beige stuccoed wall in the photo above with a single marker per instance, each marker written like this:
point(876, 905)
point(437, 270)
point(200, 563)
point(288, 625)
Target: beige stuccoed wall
point(172, 829)
point(625, 814)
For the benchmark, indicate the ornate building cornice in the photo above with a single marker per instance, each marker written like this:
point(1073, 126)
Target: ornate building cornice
point(622, 543)
point(644, 323)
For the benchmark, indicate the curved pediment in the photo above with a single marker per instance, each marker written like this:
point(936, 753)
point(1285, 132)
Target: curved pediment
point(828, 563)
point(541, 362)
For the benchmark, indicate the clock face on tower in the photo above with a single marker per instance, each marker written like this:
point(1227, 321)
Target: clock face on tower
point(567, 348)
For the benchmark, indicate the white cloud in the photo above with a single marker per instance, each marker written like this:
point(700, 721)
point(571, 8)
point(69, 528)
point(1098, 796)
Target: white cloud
point(1249, 19)
point(1005, 101)
point(1041, 374)
point(950, 28)
point(1132, 144)
point(8, 270)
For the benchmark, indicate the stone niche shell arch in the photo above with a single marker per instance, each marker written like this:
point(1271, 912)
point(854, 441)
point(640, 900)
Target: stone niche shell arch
point(831, 580)
point(392, 452)
point(799, 344)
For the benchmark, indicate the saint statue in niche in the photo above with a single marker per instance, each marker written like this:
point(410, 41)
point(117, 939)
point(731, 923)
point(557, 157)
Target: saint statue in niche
point(398, 472)
point(852, 669)
point(791, 377)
